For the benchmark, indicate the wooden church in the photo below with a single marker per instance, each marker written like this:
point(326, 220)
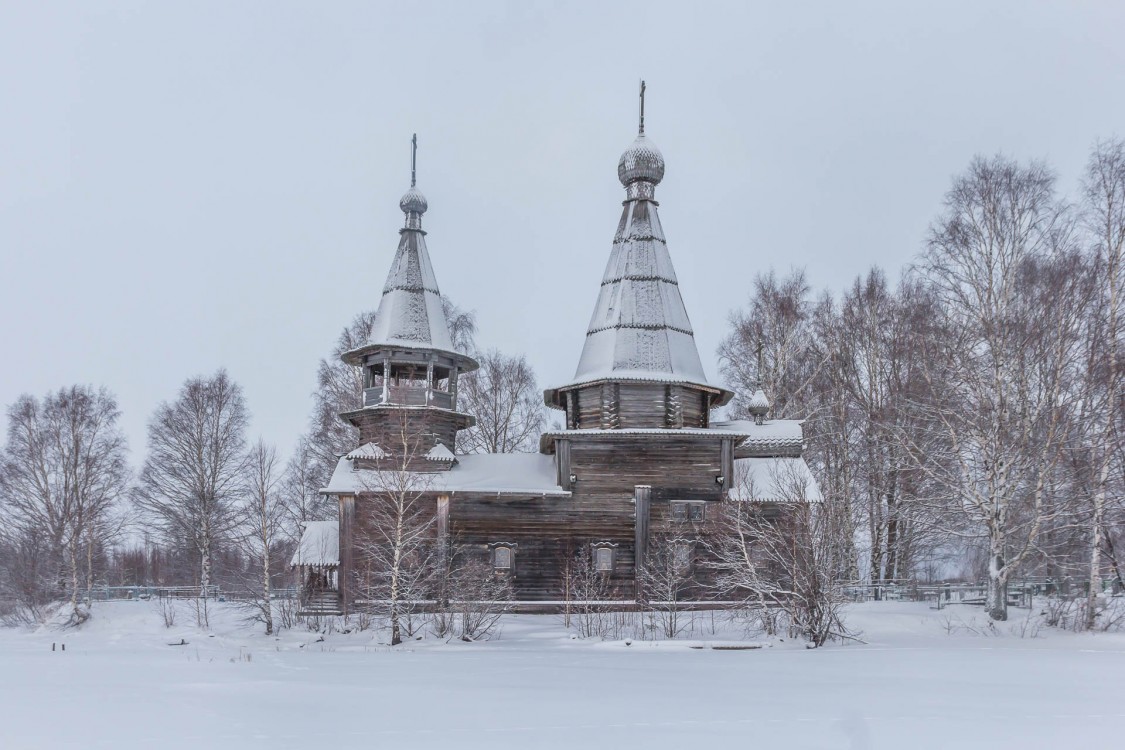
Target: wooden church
point(640, 454)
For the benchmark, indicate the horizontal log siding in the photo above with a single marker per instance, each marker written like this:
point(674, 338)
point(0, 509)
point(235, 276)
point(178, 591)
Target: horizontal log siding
point(695, 407)
point(423, 428)
point(636, 405)
point(608, 467)
point(549, 531)
point(642, 404)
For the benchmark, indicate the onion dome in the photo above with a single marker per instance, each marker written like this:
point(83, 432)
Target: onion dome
point(413, 202)
point(641, 161)
point(758, 406)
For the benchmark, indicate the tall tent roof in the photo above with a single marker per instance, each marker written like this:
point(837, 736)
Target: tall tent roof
point(410, 313)
point(640, 329)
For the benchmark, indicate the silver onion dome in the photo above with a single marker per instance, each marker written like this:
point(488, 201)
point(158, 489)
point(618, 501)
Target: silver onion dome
point(641, 161)
point(413, 202)
point(758, 406)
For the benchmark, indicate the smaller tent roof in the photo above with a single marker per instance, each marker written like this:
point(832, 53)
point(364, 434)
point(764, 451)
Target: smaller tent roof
point(440, 453)
point(319, 545)
point(368, 450)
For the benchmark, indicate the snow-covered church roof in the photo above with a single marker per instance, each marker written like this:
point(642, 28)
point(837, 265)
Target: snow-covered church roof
point(368, 450)
point(319, 545)
point(410, 313)
point(640, 329)
point(484, 473)
point(773, 480)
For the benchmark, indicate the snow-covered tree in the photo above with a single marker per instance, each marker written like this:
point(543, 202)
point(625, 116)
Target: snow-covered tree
point(1000, 258)
point(507, 404)
point(1103, 416)
point(263, 516)
point(770, 345)
point(783, 556)
point(300, 488)
point(397, 555)
point(62, 472)
point(193, 475)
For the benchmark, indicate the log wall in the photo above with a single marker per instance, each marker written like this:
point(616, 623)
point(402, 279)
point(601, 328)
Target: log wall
point(548, 531)
point(608, 406)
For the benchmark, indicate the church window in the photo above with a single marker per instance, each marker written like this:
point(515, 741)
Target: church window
point(687, 512)
point(502, 558)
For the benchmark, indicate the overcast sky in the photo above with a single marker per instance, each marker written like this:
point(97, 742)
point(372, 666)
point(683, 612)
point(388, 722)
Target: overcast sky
point(189, 186)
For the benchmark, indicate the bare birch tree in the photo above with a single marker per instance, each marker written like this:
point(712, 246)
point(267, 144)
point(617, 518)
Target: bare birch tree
point(396, 543)
point(300, 488)
point(999, 259)
point(666, 580)
point(1104, 218)
point(462, 325)
point(783, 555)
point(61, 474)
point(263, 517)
point(876, 348)
point(770, 345)
point(339, 388)
point(194, 472)
point(593, 598)
point(504, 398)
point(471, 596)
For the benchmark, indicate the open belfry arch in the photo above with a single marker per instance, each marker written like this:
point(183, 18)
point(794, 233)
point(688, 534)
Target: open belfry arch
point(640, 455)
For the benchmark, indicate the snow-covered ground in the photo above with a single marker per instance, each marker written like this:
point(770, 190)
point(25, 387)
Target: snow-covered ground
point(917, 683)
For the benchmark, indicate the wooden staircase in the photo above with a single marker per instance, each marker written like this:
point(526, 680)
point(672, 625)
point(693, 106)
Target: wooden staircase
point(320, 603)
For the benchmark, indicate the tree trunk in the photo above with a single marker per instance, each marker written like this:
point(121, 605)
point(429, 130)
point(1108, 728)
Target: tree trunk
point(204, 566)
point(996, 598)
point(74, 568)
point(267, 604)
point(1096, 547)
point(396, 631)
point(90, 568)
point(891, 569)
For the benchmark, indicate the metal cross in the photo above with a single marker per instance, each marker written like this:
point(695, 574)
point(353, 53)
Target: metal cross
point(413, 159)
point(641, 129)
point(759, 363)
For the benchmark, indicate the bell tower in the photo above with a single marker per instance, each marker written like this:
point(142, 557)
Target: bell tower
point(410, 366)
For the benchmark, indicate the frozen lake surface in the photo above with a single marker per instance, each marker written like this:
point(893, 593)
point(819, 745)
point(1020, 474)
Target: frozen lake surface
point(913, 685)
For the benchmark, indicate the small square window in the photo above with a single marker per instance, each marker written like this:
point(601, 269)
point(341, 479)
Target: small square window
point(687, 512)
point(603, 559)
point(502, 558)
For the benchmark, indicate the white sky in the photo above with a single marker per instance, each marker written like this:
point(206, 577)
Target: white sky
point(187, 186)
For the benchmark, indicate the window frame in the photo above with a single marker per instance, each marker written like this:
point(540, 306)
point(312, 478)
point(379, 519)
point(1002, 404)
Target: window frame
point(493, 552)
point(689, 511)
point(607, 549)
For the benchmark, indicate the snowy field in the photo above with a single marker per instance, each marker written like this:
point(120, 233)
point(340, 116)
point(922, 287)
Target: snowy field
point(913, 685)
